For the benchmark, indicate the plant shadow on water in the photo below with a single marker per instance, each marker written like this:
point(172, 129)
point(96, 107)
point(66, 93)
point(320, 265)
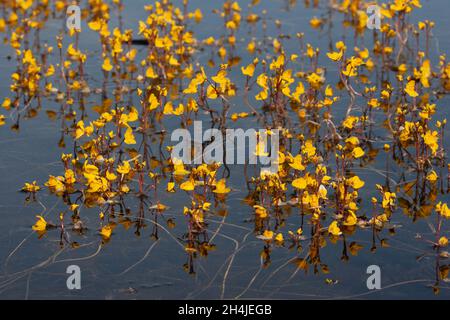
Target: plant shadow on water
point(362, 179)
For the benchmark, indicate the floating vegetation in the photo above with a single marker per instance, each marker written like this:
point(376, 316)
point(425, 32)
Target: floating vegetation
point(372, 99)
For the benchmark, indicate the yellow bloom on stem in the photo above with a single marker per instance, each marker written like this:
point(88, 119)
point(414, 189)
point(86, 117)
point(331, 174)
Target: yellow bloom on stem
point(351, 219)
point(352, 140)
point(31, 187)
point(335, 56)
point(350, 122)
point(411, 89)
point(443, 210)
point(355, 182)
point(150, 73)
point(79, 131)
point(388, 199)
point(179, 168)
point(107, 66)
point(357, 152)
point(443, 241)
point(268, 235)
point(279, 237)
point(431, 140)
point(129, 137)
point(315, 22)
point(221, 187)
point(308, 148)
point(40, 225)
point(432, 176)
point(425, 73)
point(56, 184)
point(170, 187)
point(260, 211)
point(125, 168)
point(95, 25)
point(299, 183)
point(297, 163)
point(334, 229)
point(106, 232)
point(248, 70)
point(188, 185)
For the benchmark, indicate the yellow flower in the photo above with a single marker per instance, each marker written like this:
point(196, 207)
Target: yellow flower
point(107, 66)
point(95, 25)
point(388, 199)
point(308, 148)
point(106, 232)
point(297, 163)
point(268, 234)
point(125, 168)
point(279, 237)
point(221, 187)
point(150, 73)
point(355, 182)
point(410, 89)
point(334, 229)
point(187, 185)
point(248, 70)
point(443, 210)
point(352, 140)
point(351, 219)
point(129, 137)
point(432, 176)
point(260, 211)
point(31, 187)
point(425, 73)
point(431, 140)
point(335, 56)
point(443, 242)
point(179, 168)
point(55, 184)
point(170, 187)
point(40, 225)
point(357, 152)
point(80, 130)
point(6, 103)
point(350, 122)
point(315, 22)
point(110, 176)
point(299, 183)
